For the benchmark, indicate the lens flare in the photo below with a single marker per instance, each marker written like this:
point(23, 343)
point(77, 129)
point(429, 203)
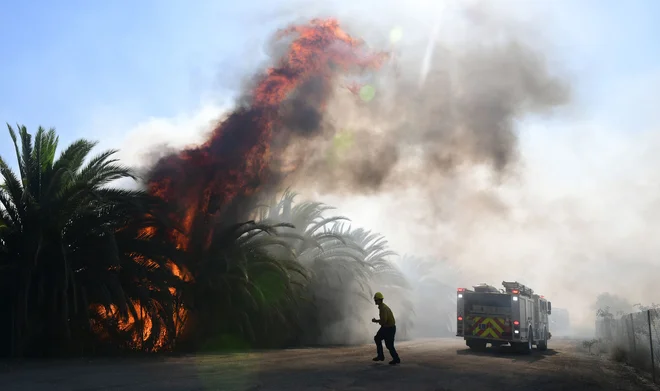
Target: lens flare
point(367, 93)
point(395, 35)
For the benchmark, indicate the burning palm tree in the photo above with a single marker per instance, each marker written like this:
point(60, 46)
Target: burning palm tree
point(73, 256)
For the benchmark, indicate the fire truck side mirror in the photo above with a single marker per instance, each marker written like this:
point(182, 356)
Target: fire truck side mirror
point(549, 308)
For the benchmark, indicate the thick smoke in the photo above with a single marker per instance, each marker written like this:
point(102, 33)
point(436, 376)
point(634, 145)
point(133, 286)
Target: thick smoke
point(435, 159)
point(241, 160)
point(464, 113)
point(438, 106)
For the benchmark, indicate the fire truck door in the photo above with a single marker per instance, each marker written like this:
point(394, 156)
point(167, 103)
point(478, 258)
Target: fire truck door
point(531, 316)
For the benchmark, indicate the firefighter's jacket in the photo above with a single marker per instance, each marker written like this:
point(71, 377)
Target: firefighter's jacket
point(386, 316)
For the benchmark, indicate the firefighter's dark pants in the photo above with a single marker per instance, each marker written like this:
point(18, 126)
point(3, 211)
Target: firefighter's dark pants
point(386, 334)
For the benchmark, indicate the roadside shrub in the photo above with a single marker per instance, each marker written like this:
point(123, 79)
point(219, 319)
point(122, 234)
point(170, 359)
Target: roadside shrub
point(619, 354)
point(589, 344)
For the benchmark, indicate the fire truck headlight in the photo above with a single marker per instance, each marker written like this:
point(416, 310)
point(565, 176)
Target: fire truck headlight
point(515, 298)
point(460, 295)
point(516, 331)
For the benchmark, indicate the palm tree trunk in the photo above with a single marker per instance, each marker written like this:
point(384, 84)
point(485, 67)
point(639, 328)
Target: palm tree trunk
point(15, 329)
point(65, 293)
point(24, 305)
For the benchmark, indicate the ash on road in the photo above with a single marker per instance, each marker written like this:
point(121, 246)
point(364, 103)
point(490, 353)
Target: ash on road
point(429, 365)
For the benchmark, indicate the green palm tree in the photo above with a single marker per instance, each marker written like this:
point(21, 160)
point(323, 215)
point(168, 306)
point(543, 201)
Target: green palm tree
point(343, 265)
point(324, 253)
point(70, 243)
point(384, 275)
point(246, 288)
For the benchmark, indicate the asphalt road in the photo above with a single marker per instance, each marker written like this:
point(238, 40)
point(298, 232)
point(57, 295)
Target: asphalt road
point(429, 365)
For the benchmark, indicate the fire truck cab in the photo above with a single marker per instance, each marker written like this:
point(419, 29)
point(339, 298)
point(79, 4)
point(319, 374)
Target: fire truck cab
point(514, 315)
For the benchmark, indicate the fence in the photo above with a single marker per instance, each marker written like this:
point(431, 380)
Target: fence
point(635, 339)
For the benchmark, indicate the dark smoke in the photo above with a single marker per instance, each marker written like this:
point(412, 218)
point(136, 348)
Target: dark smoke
point(301, 114)
point(464, 113)
point(242, 159)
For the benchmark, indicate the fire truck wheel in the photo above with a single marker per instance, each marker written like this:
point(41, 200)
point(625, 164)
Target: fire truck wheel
point(526, 347)
point(543, 344)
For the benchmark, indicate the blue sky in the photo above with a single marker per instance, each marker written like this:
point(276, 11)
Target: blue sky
point(67, 62)
point(94, 69)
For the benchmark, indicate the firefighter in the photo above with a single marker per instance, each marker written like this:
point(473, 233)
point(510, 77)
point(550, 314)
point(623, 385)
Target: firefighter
point(386, 332)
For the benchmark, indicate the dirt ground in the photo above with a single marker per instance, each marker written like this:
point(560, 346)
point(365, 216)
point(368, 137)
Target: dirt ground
point(429, 365)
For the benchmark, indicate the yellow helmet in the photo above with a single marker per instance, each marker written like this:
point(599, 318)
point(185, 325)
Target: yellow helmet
point(378, 296)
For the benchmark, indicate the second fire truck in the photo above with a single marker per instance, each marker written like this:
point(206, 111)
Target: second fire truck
point(514, 315)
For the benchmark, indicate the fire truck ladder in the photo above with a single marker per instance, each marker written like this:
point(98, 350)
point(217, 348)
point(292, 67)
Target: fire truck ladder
point(510, 286)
